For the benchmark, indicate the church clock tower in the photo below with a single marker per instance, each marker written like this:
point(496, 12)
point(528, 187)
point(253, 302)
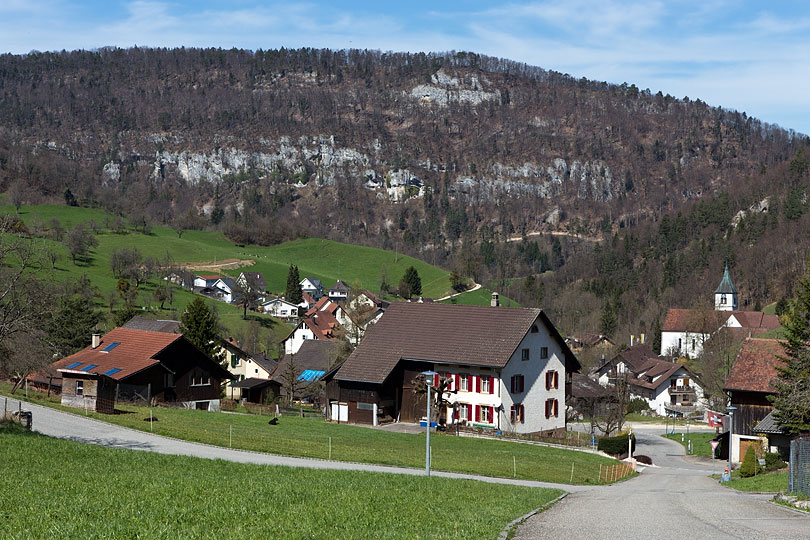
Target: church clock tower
point(725, 297)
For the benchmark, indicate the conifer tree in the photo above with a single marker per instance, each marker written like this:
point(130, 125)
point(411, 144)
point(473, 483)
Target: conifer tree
point(413, 280)
point(293, 290)
point(200, 325)
point(793, 383)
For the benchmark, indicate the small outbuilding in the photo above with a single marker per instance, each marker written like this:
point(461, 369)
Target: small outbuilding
point(88, 390)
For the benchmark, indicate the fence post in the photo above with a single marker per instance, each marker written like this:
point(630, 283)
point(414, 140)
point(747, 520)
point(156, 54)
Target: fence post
point(330, 448)
point(150, 419)
point(230, 435)
point(600, 473)
point(572, 472)
point(514, 467)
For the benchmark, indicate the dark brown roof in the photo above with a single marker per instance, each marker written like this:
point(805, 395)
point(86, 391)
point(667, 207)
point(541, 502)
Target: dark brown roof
point(153, 325)
point(583, 386)
point(635, 356)
point(755, 366)
point(313, 355)
point(255, 280)
point(267, 364)
point(655, 372)
point(444, 334)
point(252, 383)
point(684, 320)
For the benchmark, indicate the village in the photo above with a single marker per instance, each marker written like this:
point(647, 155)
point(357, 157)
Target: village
point(506, 371)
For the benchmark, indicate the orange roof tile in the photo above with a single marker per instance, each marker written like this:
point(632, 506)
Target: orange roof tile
point(754, 368)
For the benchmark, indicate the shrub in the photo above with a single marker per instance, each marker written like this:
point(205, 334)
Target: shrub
point(615, 445)
point(643, 459)
point(773, 462)
point(750, 465)
point(637, 405)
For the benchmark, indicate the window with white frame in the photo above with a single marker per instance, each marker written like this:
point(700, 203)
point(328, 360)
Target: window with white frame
point(79, 388)
point(552, 380)
point(199, 378)
point(462, 411)
point(485, 415)
point(464, 382)
point(517, 414)
point(485, 386)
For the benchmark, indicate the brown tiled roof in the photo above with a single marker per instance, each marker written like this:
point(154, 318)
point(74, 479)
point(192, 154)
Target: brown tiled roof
point(755, 366)
point(136, 351)
point(324, 304)
point(153, 325)
point(635, 356)
point(252, 383)
point(444, 334)
point(255, 280)
point(684, 320)
point(658, 370)
point(583, 386)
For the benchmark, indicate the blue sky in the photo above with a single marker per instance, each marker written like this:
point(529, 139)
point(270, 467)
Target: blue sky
point(749, 56)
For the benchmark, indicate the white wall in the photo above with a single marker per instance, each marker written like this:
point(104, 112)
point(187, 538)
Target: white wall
point(669, 341)
point(470, 396)
point(535, 394)
point(294, 342)
point(662, 397)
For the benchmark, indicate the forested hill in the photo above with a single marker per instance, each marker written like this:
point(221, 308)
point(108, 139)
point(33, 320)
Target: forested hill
point(443, 156)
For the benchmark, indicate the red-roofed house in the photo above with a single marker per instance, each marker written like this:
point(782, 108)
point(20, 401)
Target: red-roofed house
point(153, 365)
point(320, 325)
point(750, 382)
point(686, 330)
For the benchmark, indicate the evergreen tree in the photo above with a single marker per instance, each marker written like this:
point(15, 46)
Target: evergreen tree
point(609, 319)
point(293, 291)
point(793, 383)
point(72, 324)
point(200, 325)
point(413, 280)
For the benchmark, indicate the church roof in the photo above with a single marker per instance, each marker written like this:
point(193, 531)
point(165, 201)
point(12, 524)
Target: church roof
point(726, 285)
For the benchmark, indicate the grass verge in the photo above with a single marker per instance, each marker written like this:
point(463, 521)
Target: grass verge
point(766, 482)
point(77, 490)
point(315, 438)
point(700, 442)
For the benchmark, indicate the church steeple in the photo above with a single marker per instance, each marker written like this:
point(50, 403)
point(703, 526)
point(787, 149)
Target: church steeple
point(725, 296)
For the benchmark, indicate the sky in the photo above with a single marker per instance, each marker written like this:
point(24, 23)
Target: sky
point(750, 56)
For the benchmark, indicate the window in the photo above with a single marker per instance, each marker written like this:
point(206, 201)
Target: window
point(112, 371)
point(79, 388)
point(73, 365)
point(534, 329)
point(680, 344)
point(552, 408)
point(543, 353)
point(516, 384)
point(693, 344)
point(168, 380)
point(464, 383)
point(485, 415)
point(517, 414)
point(524, 354)
point(552, 380)
point(199, 378)
point(111, 346)
point(722, 299)
point(88, 367)
point(462, 412)
point(486, 387)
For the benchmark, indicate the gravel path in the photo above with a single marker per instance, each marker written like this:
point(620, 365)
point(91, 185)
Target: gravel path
point(676, 499)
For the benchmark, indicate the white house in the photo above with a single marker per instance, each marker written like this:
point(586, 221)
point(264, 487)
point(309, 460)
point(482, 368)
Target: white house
point(312, 286)
point(252, 280)
point(339, 291)
point(686, 330)
point(668, 387)
point(278, 307)
point(508, 368)
point(243, 366)
point(321, 326)
point(228, 287)
point(206, 280)
point(625, 363)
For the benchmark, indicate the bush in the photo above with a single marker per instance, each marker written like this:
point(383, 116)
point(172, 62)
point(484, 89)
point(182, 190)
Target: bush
point(773, 462)
point(750, 465)
point(615, 445)
point(637, 405)
point(643, 459)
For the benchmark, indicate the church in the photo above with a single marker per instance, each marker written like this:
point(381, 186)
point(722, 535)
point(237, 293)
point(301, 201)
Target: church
point(686, 330)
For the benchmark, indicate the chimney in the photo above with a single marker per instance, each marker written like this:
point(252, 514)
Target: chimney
point(632, 338)
point(495, 302)
point(96, 339)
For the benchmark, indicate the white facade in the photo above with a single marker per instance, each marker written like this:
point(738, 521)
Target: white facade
point(227, 292)
point(301, 333)
point(280, 308)
point(203, 282)
point(312, 288)
point(662, 398)
point(687, 344)
point(543, 404)
point(725, 302)
point(243, 367)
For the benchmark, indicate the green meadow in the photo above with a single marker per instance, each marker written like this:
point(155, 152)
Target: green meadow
point(62, 489)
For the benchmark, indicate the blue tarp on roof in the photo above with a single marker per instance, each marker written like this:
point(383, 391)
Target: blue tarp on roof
point(311, 375)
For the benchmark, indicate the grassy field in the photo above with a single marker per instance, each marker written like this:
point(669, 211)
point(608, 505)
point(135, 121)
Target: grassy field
point(85, 491)
point(700, 442)
point(770, 482)
point(315, 438)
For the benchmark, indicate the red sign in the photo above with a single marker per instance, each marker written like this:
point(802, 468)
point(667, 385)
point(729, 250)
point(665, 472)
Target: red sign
point(714, 444)
point(715, 419)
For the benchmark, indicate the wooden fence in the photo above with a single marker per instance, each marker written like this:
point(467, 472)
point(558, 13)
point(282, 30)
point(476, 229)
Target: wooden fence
point(612, 473)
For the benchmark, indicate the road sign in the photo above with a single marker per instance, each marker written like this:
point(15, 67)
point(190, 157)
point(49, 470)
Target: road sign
point(714, 444)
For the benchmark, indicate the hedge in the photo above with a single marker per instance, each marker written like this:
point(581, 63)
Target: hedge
point(615, 445)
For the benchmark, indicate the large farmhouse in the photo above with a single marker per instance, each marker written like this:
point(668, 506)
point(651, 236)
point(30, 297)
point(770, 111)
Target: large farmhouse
point(509, 368)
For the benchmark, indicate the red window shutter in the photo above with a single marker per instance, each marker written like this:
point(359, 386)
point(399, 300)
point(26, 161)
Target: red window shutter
point(492, 415)
point(556, 408)
point(469, 411)
point(492, 385)
point(548, 380)
point(478, 413)
point(436, 380)
point(521, 383)
point(556, 379)
point(455, 413)
point(548, 406)
point(478, 384)
point(456, 383)
point(522, 415)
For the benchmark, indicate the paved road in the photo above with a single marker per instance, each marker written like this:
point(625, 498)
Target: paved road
point(66, 426)
point(674, 500)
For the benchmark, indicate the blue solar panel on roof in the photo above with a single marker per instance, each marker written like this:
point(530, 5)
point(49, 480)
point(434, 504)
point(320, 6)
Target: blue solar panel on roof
point(111, 346)
point(73, 365)
point(113, 371)
point(88, 367)
point(311, 375)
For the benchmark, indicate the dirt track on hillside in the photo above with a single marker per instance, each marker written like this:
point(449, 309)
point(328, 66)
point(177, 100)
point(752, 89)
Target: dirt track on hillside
point(213, 265)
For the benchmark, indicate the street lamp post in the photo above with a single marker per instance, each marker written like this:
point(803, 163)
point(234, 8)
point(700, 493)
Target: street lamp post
point(428, 380)
point(730, 409)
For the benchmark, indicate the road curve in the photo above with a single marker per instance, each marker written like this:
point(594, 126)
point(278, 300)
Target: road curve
point(676, 499)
